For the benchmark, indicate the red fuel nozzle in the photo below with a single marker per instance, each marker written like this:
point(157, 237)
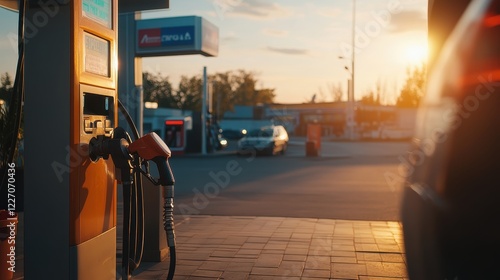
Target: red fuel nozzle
point(150, 146)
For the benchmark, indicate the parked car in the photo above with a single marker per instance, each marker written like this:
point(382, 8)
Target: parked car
point(268, 140)
point(217, 141)
point(451, 202)
point(233, 134)
point(221, 142)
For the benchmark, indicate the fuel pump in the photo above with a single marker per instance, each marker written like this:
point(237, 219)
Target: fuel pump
point(129, 159)
point(69, 194)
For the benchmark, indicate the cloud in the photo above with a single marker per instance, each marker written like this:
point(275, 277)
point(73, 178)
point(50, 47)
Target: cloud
point(407, 21)
point(329, 12)
point(274, 32)
point(288, 51)
point(258, 9)
point(229, 38)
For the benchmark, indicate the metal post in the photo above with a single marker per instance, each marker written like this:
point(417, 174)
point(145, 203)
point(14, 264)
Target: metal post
point(204, 114)
point(130, 70)
point(352, 99)
point(350, 111)
point(353, 44)
point(131, 93)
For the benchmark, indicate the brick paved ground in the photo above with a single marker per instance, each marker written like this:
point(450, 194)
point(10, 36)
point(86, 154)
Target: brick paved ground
point(214, 247)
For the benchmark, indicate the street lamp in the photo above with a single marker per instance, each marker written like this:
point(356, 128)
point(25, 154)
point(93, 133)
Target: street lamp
point(350, 93)
point(353, 45)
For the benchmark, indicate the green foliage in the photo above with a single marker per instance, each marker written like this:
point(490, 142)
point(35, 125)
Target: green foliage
point(228, 89)
point(5, 87)
point(371, 99)
point(158, 89)
point(188, 94)
point(7, 120)
point(223, 85)
point(6, 127)
point(414, 87)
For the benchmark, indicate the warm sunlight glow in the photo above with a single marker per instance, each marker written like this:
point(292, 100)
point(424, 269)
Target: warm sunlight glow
point(416, 54)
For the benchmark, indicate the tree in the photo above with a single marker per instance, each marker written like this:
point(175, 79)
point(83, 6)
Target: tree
point(336, 92)
point(5, 87)
point(370, 98)
point(228, 89)
point(188, 94)
point(7, 120)
point(245, 92)
point(158, 89)
point(413, 88)
point(265, 96)
point(222, 90)
point(318, 97)
point(381, 92)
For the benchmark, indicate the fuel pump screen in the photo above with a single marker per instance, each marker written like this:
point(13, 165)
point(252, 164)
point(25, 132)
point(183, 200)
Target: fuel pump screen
point(98, 11)
point(95, 104)
point(96, 55)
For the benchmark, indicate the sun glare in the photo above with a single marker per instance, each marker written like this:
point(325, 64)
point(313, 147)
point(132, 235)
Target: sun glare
point(416, 54)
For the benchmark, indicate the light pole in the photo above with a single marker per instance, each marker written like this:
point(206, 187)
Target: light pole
point(350, 123)
point(353, 45)
point(350, 110)
point(350, 92)
point(350, 89)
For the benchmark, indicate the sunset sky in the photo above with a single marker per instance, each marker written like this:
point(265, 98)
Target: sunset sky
point(293, 46)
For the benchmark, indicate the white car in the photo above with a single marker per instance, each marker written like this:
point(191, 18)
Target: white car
point(269, 140)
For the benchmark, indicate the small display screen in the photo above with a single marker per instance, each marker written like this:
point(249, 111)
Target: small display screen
point(96, 55)
point(95, 104)
point(98, 11)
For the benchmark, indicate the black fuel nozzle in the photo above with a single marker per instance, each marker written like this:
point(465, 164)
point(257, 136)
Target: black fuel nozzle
point(166, 175)
point(99, 148)
point(116, 146)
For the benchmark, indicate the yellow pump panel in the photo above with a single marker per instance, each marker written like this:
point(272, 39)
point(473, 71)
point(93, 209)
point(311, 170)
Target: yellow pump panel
point(94, 112)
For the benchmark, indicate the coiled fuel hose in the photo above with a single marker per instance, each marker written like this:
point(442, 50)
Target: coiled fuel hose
point(167, 182)
point(168, 225)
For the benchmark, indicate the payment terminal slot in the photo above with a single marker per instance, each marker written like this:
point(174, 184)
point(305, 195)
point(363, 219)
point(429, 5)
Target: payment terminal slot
point(98, 109)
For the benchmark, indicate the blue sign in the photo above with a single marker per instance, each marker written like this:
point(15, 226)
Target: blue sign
point(175, 36)
point(166, 36)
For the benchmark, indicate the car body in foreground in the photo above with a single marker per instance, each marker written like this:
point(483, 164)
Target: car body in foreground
point(268, 140)
point(451, 202)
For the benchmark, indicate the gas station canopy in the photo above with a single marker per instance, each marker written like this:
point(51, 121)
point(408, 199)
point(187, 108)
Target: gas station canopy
point(124, 6)
point(129, 6)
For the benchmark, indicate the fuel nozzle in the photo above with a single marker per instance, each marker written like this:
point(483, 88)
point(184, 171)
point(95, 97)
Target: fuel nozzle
point(123, 151)
point(152, 147)
point(116, 146)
